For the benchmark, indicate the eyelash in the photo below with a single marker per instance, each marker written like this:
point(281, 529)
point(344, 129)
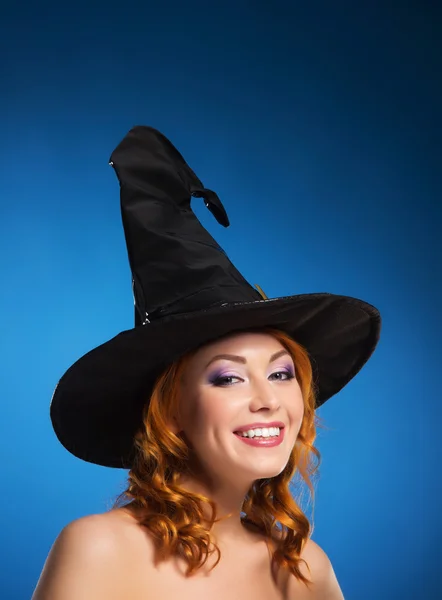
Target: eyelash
point(220, 381)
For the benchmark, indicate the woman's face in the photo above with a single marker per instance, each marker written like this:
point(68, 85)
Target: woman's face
point(245, 382)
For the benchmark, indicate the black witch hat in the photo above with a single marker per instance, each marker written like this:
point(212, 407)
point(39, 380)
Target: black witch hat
point(187, 293)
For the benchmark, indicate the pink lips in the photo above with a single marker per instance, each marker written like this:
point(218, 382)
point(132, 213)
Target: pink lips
point(263, 442)
point(269, 442)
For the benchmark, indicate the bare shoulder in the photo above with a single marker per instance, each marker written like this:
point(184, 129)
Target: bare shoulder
point(90, 559)
point(325, 584)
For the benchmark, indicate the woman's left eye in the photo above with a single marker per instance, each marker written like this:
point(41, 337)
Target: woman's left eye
point(282, 375)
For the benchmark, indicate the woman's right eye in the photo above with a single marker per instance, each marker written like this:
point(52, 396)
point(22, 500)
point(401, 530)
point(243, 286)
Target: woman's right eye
point(224, 381)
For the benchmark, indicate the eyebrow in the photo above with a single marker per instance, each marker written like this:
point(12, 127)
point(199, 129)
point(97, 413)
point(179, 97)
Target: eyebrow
point(241, 359)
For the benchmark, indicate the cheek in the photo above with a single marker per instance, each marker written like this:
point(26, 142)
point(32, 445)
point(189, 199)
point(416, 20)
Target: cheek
point(296, 407)
point(195, 411)
point(207, 412)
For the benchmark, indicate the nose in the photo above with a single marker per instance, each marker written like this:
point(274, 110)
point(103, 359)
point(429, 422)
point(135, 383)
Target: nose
point(264, 397)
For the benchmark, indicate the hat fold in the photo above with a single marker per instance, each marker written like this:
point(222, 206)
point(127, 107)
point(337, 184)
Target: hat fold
point(173, 258)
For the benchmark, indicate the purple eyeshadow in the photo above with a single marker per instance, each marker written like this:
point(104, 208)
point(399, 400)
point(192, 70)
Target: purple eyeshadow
point(289, 369)
point(213, 377)
point(217, 374)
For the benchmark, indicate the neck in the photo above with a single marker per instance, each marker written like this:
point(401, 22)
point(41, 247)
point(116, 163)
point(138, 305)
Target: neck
point(228, 498)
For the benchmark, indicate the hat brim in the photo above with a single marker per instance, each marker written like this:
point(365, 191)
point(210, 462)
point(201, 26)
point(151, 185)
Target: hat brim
point(97, 405)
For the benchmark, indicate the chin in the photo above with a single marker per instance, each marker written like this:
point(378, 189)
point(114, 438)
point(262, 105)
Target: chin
point(267, 473)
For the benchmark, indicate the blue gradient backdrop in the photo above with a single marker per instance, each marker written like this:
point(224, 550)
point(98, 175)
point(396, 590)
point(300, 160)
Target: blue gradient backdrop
point(318, 124)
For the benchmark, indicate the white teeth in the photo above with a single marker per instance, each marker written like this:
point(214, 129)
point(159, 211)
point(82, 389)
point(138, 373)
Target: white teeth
point(262, 432)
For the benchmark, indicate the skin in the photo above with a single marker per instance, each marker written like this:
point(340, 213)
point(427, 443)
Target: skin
point(109, 556)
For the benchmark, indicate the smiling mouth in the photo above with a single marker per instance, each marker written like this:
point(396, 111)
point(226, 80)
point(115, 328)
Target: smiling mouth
point(262, 441)
point(261, 432)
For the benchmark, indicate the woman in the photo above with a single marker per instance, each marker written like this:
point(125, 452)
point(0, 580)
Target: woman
point(209, 401)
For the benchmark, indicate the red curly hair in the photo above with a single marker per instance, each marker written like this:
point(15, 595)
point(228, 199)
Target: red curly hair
point(174, 515)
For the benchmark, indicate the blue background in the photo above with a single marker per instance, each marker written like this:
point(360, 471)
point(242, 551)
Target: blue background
point(318, 124)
